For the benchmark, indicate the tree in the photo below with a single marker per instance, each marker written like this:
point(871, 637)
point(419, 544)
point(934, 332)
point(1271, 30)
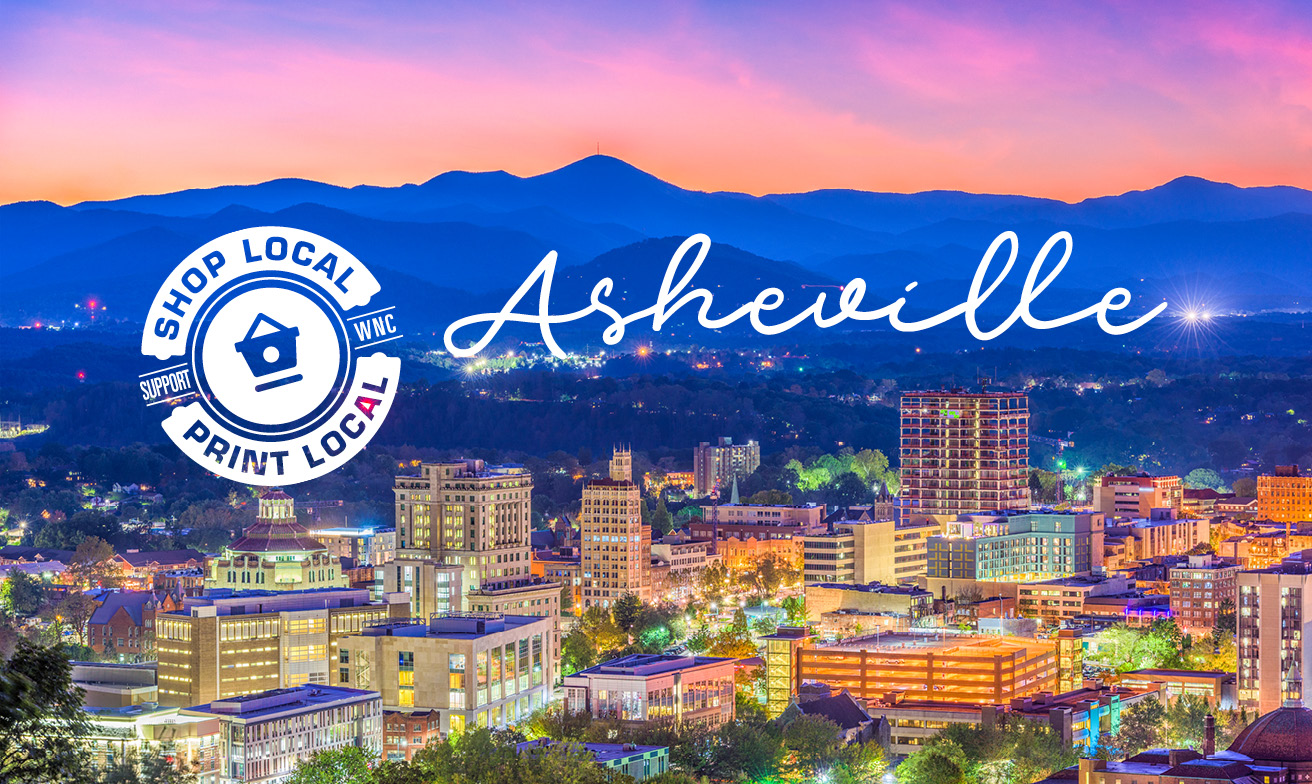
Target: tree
point(1141, 728)
point(859, 763)
point(349, 763)
point(1244, 487)
point(152, 767)
point(625, 611)
point(73, 611)
point(577, 652)
point(600, 627)
point(40, 718)
point(1203, 478)
point(937, 764)
point(92, 565)
point(812, 743)
point(795, 610)
point(22, 595)
point(771, 497)
point(662, 522)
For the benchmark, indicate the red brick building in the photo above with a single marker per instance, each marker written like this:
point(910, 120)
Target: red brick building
point(124, 623)
point(405, 733)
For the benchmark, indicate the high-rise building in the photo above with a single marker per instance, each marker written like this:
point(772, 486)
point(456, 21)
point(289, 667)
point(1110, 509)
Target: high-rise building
point(1274, 608)
point(1285, 497)
point(276, 554)
point(229, 643)
point(1198, 589)
point(1136, 496)
point(1017, 548)
point(717, 465)
point(476, 516)
point(964, 452)
point(616, 547)
point(475, 669)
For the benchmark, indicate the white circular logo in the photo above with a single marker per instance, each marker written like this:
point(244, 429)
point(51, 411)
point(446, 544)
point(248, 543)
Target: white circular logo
point(273, 351)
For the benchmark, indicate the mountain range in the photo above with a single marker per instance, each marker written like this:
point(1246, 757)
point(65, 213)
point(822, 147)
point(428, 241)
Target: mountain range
point(459, 242)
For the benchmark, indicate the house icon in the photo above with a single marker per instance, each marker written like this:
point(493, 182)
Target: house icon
point(268, 348)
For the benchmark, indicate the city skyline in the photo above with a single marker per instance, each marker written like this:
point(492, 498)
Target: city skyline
point(105, 102)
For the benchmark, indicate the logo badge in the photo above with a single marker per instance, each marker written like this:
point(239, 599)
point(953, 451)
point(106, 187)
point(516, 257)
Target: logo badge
point(273, 351)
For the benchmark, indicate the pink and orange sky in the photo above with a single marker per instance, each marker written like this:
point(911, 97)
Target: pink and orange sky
point(1068, 100)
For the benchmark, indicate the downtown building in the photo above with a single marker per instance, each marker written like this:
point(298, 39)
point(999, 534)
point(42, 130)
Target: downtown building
point(472, 669)
point(462, 534)
point(863, 550)
point(1285, 497)
point(964, 453)
point(655, 687)
point(226, 644)
point(1136, 496)
point(1017, 548)
point(1198, 589)
point(717, 465)
point(615, 552)
point(264, 735)
point(275, 554)
point(1273, 610)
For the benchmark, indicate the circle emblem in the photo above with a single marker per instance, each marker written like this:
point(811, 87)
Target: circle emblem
point(273, 350)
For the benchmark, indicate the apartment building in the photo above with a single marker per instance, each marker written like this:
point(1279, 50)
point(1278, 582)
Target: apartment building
point(1285, 497)
point(615, 550)
point(653, 687)
point(226, 644)
point(1016, 547)
point(1136, 496)
point(405, 732)
point(964, 453)
point(264, 735)
point(1272, 613)
point(864, 550)
point(1198, 590)
point(474, 669)
point(717, 465)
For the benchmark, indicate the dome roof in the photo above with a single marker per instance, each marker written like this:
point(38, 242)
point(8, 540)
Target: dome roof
point(275, 495)
point(1279, 736)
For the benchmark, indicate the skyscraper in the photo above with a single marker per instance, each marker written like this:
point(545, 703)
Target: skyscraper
point(964, 452)
point(1272, 612)
point(477, 516)
point(722, 462)
point(616, 546)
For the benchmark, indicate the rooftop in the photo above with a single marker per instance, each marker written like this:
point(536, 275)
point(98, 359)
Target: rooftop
point(647, 664)
point(904, 590)
point(453, 626)
point(264, 704)
point(602, 752)
point(913, 642)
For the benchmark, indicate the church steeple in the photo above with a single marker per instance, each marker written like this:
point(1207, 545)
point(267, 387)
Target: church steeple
point(733, 494)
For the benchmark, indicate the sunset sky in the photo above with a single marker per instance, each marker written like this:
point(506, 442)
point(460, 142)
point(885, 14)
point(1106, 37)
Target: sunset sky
point(1067, 100)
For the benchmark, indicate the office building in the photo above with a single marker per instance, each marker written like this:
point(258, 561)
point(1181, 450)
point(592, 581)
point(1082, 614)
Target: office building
point(951, 668)
point(264, 735)
point(1285, 497)
point(1274, 608)
point(906, 600)
point(1199, 588)
point(616, 547)
point(226, 644)
point(759, 521)
point(1162, 534)
point(645, 687)
point(864, 550)
point(716, 465)
point(1017, 547)
point(964, 453)
point(191, 742)
point(1218, 688)
point(474, 669)
point(373, 546)
point(275, 554)
point(477, 517)
point(1064, 598)
point(1136, 496)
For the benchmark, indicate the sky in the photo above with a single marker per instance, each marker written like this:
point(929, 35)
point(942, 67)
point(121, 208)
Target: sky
point(1063, 100)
